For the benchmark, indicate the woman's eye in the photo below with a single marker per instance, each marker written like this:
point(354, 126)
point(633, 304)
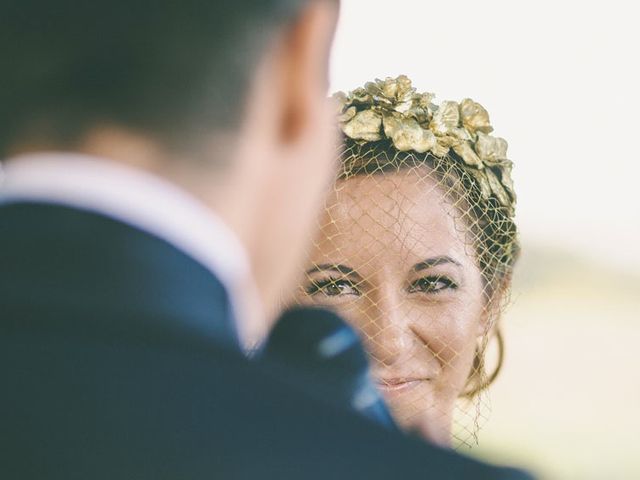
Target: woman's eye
point(434, 284)
point(332, 288)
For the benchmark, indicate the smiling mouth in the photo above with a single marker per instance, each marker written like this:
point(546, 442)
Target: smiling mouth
point(398, 385)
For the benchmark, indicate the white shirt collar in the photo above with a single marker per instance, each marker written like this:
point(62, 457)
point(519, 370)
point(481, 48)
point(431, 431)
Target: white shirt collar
point(144, 201)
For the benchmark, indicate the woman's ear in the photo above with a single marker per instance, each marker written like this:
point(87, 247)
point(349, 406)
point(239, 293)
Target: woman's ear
point(493, 307)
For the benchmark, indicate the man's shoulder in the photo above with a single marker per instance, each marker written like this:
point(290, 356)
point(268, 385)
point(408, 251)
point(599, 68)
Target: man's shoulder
point(77, 269)
point(108, 409)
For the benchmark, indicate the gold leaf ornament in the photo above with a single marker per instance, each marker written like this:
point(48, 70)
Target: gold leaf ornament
point(481, 180)
point(365, 125)
point(407, 134)
point(421, 108)
point(392, 109)
point(506, 180)
point(340, 99)
point(440, 150)
point(393, 90)
point(474, 117)
point(347, 115)
point(491, 149)
point(360, 96)
point(468, 154)
point(497, 189)
point(446, 119)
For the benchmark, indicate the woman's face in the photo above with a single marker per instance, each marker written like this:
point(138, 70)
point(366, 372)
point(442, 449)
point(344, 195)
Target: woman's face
point(390, 260)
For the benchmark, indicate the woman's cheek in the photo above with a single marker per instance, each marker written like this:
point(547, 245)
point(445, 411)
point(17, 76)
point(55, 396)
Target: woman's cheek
point(449, 331)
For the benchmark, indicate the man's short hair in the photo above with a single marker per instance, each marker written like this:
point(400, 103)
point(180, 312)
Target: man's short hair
point(171, 69)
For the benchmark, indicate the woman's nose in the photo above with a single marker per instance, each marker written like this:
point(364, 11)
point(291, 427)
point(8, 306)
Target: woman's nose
point(387, 336)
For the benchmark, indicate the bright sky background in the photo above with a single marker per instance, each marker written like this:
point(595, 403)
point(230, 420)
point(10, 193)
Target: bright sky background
point(561, 81)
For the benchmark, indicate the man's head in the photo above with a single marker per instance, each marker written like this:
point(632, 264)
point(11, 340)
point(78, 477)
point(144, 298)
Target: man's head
point(225, 97)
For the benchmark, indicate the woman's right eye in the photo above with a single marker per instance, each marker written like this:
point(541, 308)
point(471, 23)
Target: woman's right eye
point(332, 287)
point(432, 285)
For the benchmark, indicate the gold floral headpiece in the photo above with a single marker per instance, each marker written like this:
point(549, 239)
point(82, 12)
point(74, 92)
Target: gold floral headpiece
point(392, 109)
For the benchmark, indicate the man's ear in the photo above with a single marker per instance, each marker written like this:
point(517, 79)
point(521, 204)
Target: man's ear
point(304, 68)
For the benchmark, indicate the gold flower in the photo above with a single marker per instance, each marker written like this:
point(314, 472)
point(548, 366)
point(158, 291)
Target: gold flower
point(340, 99)
point(440, 150)
point(391, 90)
point(446, 118)
point(474, 117)
point(468, 154)
point(365, 125)
point(505, 178)
point(481, 179)
point(407, 134)
point(497, 189)
point(491, 149)
point(421, 108)
point(360, 95)
point(392, 109)
point(347, 115)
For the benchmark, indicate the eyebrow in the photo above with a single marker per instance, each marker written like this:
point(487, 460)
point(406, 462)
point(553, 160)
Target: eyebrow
point(433, 262)
point(343, 269)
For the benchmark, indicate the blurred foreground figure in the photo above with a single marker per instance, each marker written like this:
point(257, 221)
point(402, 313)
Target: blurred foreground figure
point(153, 207)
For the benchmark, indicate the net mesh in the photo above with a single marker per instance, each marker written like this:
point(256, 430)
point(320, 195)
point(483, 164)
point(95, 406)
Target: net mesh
point(413, 255)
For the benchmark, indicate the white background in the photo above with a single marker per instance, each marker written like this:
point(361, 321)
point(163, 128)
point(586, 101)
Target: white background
point(561, 81)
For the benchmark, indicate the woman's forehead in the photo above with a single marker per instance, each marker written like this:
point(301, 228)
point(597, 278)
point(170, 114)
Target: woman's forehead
point(400, 213)
point(416, 181)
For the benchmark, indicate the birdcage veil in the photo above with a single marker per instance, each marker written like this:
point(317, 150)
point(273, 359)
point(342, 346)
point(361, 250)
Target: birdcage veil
point(405, 160)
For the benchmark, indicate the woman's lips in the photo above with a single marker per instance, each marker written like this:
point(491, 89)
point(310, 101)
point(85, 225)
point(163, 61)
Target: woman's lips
point(398, 385)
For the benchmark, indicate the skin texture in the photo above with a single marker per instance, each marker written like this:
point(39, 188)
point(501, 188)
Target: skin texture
point(390, 259)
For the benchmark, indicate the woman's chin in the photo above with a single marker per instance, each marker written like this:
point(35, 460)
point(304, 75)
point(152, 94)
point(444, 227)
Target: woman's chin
point(416, 411)
point(435, 429)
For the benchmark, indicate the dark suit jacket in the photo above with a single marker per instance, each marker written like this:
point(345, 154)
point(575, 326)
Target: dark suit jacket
point(119, 359)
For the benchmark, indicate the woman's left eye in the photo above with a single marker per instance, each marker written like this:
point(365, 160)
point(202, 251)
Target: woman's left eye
point(331, 287)
point(433, 284)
